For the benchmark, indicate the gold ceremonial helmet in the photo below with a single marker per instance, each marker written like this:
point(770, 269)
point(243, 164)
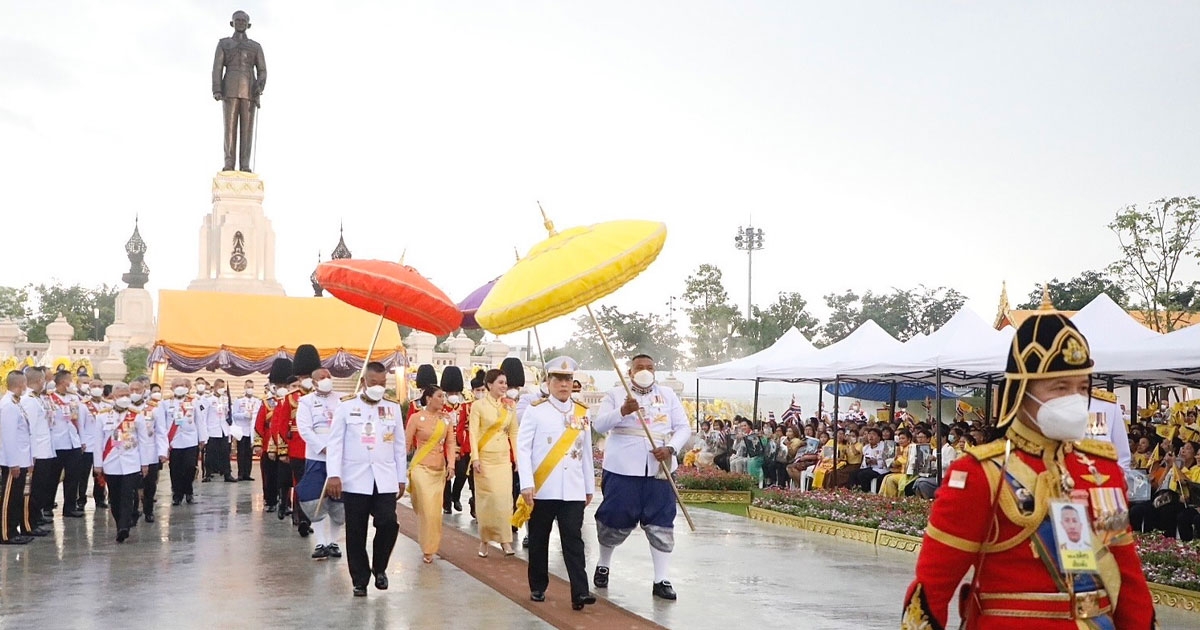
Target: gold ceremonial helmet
point(1047, 345)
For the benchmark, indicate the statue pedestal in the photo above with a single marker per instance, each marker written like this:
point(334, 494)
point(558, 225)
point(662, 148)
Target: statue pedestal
point(135, 316)
point(237, 243)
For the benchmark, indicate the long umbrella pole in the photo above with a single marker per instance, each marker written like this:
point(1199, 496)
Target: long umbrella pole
point(645, 427)
point(536, 336)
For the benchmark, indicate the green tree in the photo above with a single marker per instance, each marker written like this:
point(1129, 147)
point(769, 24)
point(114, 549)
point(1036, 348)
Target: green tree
point(14, 303)
point(1155, 241)
point(935, 307)
point(78, 304)
point(1077, 292)
point(768, 325)
point(845, 315)
point(903, 313)
point(714, 319)
point(135, 362)
point(628, 334)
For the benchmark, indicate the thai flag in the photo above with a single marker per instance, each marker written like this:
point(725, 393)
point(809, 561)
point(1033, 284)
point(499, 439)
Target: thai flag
point(793, 413)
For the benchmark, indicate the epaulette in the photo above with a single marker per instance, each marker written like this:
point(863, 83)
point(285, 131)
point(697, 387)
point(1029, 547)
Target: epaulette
point(1105, 395)
point(580, 405)
point(986, 451)
point(1098, 448)
point(538, 402)
point(349, 397)
point(392, 400)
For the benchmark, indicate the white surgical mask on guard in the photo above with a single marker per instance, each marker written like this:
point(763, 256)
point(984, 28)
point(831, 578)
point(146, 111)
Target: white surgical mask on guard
point(643, 378)
point(307, 384)
point(325, 385)
point(122, 402)
point(181, 391)
point(154, 396)
point(1063, 418)
point(375, 392)
point(513, 393)
point(454, 399)
point(135, 397)
point(201, 388)
point(281, 391)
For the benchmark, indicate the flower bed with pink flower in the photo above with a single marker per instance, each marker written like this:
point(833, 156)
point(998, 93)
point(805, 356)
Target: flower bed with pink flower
point(711, 478)
point(1165, 560)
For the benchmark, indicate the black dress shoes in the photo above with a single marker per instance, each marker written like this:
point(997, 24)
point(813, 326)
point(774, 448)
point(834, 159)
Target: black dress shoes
point(457, 506)
point(36, 533)
point(230, 479)
point(381, 581)
point(537, 596)
point(360, 591)
point(270, 508)
point(149, 518)
point(577, 603)
point(176, 501)
point(101, 505)
point(600, 578)
point(122, 535)
point(663, 590)
point(189, 499)
point(17, 540)
point(304, 529)
point(334, 550)
point(73, 514)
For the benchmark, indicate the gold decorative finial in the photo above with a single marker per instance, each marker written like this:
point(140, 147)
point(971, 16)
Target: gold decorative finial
point(1047, 303)
point(546, 221)
point(517, 253)
point(402, 254)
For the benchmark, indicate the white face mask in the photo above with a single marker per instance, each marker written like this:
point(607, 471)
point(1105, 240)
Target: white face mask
point(643, 378)
point(375, 392)
point(513, 393)
point(97, 392)
point(153, 396)
point(307, 384)
point(201, 388)
point(181, 391)
point(454, 399)
point(71, 389)
point(122, 402)
point(281, 391)
point(135, 397)
point(1064, 418)
point(325, 385)
point(249, 392)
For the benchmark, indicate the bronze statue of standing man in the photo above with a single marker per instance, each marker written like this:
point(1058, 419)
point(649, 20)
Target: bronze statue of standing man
point(238, 78)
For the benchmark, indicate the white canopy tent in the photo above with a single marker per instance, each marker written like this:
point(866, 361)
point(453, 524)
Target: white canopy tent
point(964, 349)
point(825, 364)
point(791, 344)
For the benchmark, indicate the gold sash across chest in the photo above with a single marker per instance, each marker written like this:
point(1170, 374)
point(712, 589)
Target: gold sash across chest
point(434, 441)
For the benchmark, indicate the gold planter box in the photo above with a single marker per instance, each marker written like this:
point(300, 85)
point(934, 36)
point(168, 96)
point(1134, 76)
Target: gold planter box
point(1175, 597)
point(738, 497)
point(841, 530)
point(776, 518)
point(903, 542)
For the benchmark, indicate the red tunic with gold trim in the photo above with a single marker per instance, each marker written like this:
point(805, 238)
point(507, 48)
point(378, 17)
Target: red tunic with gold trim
point(277, 427)
point(1020, 582)
point(295, 443)
point(262, 422)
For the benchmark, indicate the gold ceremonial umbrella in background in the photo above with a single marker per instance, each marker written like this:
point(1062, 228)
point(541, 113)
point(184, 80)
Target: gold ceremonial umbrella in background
point(572, 269)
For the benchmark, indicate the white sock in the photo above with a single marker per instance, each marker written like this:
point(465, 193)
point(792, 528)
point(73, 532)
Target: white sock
point(335, 531)
point(605, 556)
point(661, 560)
point(321, 530)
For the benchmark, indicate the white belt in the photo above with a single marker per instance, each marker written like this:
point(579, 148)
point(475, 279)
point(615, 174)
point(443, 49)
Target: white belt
point(320, 430)
point(659, 438)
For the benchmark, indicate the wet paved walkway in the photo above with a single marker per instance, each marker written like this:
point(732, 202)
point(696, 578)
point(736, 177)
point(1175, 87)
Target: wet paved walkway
point(224, 562)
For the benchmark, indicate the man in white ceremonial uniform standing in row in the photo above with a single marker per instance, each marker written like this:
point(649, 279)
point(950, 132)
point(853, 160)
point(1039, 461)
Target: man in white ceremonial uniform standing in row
point(368, 470)
point(245, 410)
point(314, 419)
point(16, 457)
point(64, 435)
point(635, 491)
point(554, 460)
point(185, 434)
point(125, 448)
point(93, 404)
point(45, 464)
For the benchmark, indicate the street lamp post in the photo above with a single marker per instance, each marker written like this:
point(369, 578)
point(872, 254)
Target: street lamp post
point(749, 239)
point(96, 314)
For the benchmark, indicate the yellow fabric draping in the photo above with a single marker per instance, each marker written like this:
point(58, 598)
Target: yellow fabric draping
point(196, 324)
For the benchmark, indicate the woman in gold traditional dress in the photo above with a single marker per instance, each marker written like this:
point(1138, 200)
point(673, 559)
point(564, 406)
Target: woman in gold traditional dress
point(493, 429)
point(893, 483)
point(430, 437)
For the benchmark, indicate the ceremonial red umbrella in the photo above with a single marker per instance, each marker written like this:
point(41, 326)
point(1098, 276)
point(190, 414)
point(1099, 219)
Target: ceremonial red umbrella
point(393, 291)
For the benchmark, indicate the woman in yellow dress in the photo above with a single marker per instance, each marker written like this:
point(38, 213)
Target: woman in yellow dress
point(493, 428)
point(893, 482)
point(430, 437)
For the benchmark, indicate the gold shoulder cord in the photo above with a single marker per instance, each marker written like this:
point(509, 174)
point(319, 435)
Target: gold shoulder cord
point(993, 533)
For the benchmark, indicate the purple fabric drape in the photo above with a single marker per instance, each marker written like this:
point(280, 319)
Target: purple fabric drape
point(341, 365)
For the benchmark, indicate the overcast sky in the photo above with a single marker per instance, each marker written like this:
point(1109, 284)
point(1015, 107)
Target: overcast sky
point(877, 144)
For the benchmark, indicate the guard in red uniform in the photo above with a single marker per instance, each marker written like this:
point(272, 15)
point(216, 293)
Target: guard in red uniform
point(264, 443)
point(426, 377)
point(463, 475)
point(307, 361)
point(456, 411)
point(1041, 513)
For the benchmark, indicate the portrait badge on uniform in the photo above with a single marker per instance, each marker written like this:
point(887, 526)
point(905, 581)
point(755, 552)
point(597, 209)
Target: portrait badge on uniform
point(1073, 537)
point(958, 479)
point(368, 434)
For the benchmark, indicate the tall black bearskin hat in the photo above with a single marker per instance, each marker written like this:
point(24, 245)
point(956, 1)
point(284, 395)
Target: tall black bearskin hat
point(426, 376)
point(281, 369)
point(307, 360)
point(1047, 345)
point(514, 372)
point(452, 380)
point(477, 380)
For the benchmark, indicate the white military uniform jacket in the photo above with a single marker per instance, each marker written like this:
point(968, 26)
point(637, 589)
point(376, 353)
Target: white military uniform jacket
point(212, 409)
point(37, 412)
point(181, 413)
point(126, 443)
point(1110, 427)
point(573, 479)
point(156, 427)
point(15, 441)
point(63, 413)
point(245, 412)
point(366, 448)
point(89, 429)
point(626, 450)
point(314, 419)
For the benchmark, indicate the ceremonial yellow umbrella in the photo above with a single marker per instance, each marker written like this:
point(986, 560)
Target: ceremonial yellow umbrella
point(572, 269)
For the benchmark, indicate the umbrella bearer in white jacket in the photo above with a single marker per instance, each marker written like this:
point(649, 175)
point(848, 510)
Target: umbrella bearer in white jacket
point(125, 448)
point(554, 459)
point(314, 419)
point(635, 492)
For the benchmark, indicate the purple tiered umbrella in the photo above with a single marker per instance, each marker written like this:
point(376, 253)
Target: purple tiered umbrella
point(471, 304)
